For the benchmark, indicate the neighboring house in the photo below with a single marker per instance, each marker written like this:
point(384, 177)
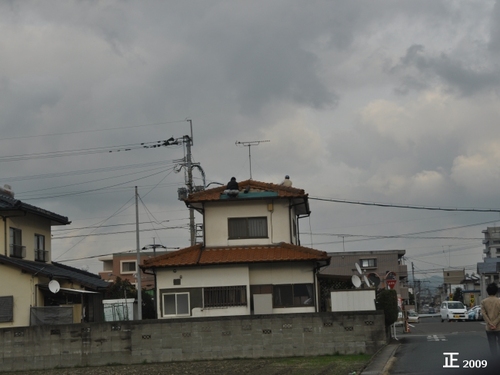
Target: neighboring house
point(124, 266)
point(250, 262)
point(375, 265)
point(472, 290)
point(489, 269)
point(33, 289)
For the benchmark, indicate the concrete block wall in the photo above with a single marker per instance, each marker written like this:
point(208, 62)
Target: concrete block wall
point(98, 344)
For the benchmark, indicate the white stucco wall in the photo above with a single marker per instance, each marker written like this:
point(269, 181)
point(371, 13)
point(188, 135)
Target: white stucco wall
point(231, 275)
point(284, 273)
point(216, 227)
point(203, 277)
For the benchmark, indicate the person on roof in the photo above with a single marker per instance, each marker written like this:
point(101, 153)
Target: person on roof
point(287, 182)
point(232, 188)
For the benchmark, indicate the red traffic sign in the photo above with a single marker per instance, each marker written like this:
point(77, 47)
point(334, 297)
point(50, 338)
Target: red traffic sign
point(391, 283)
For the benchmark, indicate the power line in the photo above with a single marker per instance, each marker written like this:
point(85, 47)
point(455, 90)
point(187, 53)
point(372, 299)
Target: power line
point(90, 130)
point(405, 206)
point(83, 171)
point(406, 235)
point(93, 190)
point(88, 151)
point(102, 222)
point(99, 179)
point(56, 230)
point(121, 232)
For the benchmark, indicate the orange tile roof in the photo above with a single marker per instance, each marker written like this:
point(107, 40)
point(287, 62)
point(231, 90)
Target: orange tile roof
point(200, 256)
point(254, 186)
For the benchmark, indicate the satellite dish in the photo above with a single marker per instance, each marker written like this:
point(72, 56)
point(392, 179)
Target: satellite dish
point(54, 286)
point(374, 279)
point(358, 268)
point(356, 281)
point(367, 282)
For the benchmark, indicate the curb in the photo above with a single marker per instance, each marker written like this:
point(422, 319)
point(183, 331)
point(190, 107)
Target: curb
point(382, 361)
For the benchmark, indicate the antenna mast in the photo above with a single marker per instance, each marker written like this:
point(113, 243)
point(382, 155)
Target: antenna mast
point(249, 145)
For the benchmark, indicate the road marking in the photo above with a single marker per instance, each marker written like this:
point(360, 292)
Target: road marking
point(436, 338)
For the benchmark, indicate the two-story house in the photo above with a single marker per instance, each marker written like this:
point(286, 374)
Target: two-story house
point(250, 261)
point(33, 289)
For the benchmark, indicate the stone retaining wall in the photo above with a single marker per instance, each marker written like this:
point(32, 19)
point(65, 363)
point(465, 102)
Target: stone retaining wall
point(97, 344)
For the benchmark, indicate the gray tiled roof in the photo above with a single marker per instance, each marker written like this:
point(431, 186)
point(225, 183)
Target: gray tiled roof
point(489, 266)
point(57, 271)
point(9, 203)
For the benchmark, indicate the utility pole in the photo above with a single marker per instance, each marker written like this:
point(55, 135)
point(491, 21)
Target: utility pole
point(249, 145)
point(414, 287)
point(189, 167)
point(137, 268)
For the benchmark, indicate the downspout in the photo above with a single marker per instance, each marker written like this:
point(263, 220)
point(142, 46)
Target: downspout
point(204, 232)
point(5, 234)
point(316, 299)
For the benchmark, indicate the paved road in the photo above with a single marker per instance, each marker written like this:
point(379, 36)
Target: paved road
point(424, 350)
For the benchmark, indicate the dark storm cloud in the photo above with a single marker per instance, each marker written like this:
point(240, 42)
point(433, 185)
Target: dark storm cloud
point(420, 70)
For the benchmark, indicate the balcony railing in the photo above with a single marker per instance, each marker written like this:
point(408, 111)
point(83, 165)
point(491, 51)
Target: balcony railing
point(18, 251)
point(41, 255)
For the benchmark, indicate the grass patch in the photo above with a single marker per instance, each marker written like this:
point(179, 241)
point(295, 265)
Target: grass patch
point(331, 364)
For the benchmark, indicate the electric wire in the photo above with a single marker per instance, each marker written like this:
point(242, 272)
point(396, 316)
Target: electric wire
point(405, 206)
point(91, 130)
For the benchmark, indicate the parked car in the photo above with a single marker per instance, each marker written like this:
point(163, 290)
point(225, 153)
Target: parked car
point(432, 310)
point(413, 317)
point(475, 313)
point(453, 310)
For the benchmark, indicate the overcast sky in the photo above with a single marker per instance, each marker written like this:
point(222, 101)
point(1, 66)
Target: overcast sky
point(391, 102)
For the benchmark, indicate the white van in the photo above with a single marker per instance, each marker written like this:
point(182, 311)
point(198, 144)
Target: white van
point(453, 310)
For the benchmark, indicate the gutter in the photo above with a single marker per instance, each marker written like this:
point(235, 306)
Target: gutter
point(5, 234)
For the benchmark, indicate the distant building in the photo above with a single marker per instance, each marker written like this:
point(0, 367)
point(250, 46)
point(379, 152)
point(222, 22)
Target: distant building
point(489, 269)
point(124, 266)
point(374, 264)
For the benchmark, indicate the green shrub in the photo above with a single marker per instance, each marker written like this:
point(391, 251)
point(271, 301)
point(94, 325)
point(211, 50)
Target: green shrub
point(387, 300)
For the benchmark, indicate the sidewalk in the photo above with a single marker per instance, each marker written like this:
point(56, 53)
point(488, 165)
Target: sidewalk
point(382, 360)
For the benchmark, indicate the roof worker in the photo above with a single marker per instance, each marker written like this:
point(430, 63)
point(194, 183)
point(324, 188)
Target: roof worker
point(232, 188)
point(287, 182)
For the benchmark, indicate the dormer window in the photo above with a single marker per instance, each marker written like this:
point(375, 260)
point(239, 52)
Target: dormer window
point(247, 227)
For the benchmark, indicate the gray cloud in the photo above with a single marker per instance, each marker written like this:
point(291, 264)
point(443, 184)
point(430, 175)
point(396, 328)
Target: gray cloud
point(442, 69)
point(323, 81)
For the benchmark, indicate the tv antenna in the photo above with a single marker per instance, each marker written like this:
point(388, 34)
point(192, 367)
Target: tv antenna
point(249, 145)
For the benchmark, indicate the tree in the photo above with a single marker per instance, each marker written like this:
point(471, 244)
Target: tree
point(120, 289)
point(387, 300)
point(124, 289)
point(458, 295)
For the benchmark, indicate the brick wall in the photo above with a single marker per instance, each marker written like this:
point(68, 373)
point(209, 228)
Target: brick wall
point(96, 344)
